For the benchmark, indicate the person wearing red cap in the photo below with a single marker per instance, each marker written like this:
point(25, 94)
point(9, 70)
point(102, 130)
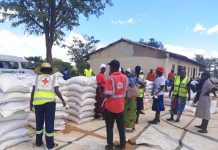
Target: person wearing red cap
point(157, 93)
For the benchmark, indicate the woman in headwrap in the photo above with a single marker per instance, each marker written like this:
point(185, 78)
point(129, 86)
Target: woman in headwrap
point(204, 88)
point(130, 102)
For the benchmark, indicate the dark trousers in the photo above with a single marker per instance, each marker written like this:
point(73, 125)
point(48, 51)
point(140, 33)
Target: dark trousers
point(45, 113)
point(109, 119)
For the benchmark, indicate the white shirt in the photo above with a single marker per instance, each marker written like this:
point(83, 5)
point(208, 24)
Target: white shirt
point(159, 81)
point(46, 81)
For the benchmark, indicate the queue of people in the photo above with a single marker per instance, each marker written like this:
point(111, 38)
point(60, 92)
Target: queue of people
point(120, 97)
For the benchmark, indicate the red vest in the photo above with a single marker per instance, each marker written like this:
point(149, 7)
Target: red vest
point(116, 87)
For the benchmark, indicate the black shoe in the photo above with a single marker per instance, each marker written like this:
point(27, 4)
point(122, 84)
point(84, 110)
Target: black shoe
point(107, 147)
point(158, 120)
point(38, 145)
point(118, 147)
point(141, 112)
point(202, 131)
point(153, 122)
point(177, 120)
point(170, 119)
point(199, 127)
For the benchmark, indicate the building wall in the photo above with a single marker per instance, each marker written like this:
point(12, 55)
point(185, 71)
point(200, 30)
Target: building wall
point(131, 55)
point(189, 67)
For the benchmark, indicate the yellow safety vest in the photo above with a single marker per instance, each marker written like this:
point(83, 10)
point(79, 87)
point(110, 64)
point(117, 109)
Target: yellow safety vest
point(180, 88)
point(142, 90)
point(88, 73)
point(44, 89)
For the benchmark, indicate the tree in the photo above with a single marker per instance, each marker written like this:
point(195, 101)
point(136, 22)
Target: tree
point(153, 43)
point(80, 49)
point(34, 60)
point(61, 65)
point(50, 17)
point(200, 59)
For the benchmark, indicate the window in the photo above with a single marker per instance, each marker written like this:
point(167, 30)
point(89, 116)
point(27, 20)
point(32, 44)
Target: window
point(8, 65)
point(26, 65)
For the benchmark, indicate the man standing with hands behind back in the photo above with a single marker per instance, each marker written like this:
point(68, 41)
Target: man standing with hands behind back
point(115, 91)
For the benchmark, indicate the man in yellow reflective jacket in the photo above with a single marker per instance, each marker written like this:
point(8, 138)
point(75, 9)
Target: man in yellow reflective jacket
point(45, 89)
point(88, 72)
point(181, 89)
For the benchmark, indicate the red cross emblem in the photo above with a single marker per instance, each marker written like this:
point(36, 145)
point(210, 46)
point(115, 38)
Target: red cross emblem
point(45, 81)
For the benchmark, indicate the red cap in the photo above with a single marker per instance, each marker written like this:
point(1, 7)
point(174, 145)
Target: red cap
point(160, 69)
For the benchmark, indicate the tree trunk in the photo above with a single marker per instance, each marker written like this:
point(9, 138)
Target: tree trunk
point(49, 52)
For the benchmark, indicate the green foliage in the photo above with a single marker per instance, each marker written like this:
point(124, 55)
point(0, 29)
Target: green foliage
point(80, 49)
point(34, 60)
point(153, 43)
point(210, 63)
point(61, 65)
point(50, 17)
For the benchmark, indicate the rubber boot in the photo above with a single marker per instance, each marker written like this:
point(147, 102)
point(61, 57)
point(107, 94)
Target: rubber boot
point(204, 126)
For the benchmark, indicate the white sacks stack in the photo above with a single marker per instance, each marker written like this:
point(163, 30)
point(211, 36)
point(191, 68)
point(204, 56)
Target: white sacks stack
point(81, 92)
point(14, 99)
point(60, 114)
point(148, 89)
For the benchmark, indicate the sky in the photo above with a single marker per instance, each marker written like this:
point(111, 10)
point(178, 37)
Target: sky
point(186, 27)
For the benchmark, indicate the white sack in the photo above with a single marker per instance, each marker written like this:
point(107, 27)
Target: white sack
point(79, 121)
point(21, 115)
point(190, 109)
point(10, 143)
point(213, 107)
point(80, 88)
point(21, 132)
point(87, 101)
point(8, 109)
point(81, 96)
point(14, 97)
point(11, 125)
point(13, 84)
point(79, 108)
point(84, 114)
point(82, 80)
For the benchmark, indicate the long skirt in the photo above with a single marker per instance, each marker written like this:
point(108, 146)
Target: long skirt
point(177, 104)
point(99, 101)
point(130, 112)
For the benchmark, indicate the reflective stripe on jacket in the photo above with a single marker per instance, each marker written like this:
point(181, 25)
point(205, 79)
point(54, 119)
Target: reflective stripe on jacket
point(181, 87)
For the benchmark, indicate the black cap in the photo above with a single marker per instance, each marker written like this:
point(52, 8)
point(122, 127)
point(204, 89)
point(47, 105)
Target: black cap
point(206, 73)
point(114, 64)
